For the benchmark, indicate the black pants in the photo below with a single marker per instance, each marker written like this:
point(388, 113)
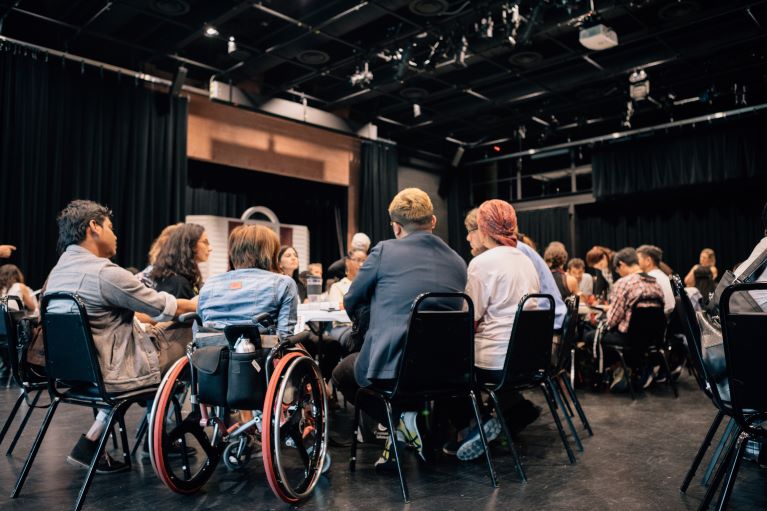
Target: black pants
point(346, 383)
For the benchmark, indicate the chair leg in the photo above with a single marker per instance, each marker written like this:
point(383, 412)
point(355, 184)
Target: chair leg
point(35, 447)
point(702, 451)
point(23, 424)
point(355, 427)
point(732, 473)
point(565, 400)
point(721, 471)
point(124, 439)
point(11, 416)
point(482, 437)
point(555, 415)
point(577, 404)
point(626, 372)
point(558, 399)
point(669, 380)
point(393, 437)
point(141, 432)
point(718, 452)
point(113, 414)
point(512, 450)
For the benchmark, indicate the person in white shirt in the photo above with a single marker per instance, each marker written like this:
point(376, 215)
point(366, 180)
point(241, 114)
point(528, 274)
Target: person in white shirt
point(650, 258)
point(498, 278)
point(354, 261)
point(12, 284)
point(576, 268)
point(760, 297)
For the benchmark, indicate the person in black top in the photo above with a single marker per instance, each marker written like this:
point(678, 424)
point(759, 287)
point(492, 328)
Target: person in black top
point(555, 256)
point(287, 260)
point(176, 269)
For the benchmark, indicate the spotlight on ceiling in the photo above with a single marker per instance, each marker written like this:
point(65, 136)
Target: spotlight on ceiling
point(598, 37)
point(210, 31)
point(231, 46)
point(416, 110)
point(639, 85)
point(362, 77)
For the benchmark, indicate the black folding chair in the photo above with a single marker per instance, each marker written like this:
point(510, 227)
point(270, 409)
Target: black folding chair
point(528, 365)
point(71, 359)
point(31, 385)
point(691, 330)
point(563, 354)
point(437, 363)
point(646, 341)
point(745, 352)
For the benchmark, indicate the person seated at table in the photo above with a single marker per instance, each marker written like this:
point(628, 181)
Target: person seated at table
point(601, 260)
point(12, 284)
point(650, 258)
point(498, 278)
point(176, 269)
point(395, 273)
point(360, 241)
point(253, 286)
point(287, 264)
point(131, 355)
point(154, 251)
point(354, 261)
point(576, 268)
point(704, 274)
point(555, 256)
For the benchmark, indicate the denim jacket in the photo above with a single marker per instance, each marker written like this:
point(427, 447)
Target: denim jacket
point(236, 296)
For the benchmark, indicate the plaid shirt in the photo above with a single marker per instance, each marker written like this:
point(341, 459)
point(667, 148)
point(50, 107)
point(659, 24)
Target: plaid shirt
point(627, 292)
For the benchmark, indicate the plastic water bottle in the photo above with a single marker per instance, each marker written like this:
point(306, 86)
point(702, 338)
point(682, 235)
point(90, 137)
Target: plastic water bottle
point(244, 345)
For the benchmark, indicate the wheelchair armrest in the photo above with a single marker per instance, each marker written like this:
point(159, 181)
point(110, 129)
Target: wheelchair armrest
point(263, 319)
point(189, 317)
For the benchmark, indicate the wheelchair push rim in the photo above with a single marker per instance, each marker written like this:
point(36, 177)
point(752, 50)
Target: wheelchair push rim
point(295, 427)
point(168, 427)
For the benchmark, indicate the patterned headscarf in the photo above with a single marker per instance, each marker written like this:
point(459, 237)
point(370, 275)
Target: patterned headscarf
point(498, 220)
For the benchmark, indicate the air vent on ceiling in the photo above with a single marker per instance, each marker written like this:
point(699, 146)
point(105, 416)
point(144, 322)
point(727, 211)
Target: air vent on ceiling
point(678, 10)
point(313, 57)
point(414, 93)
point(428, 7)
point(170, 7)
point(525, 58)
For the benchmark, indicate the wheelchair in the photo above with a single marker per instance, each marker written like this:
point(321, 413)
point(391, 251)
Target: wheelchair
point(282, 404)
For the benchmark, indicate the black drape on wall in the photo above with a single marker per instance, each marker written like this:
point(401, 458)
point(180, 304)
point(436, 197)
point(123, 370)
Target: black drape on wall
point(69, 132)
point(454, 188)
point(726, 219)
point(545, 226)
point(227, 191)
point(711, 154)
point(378, 186)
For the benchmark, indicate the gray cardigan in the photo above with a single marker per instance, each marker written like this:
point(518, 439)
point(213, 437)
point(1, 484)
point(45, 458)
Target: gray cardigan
point(127, 356)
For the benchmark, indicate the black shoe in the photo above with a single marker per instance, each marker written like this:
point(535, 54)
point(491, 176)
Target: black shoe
point(521, 415)
point(83, 452)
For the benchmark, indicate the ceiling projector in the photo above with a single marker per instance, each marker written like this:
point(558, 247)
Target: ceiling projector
point(598, 37)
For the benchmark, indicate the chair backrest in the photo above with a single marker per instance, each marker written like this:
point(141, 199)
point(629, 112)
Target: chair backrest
point(569, 332)
point(438, 356)
point(647, 326)
point(528, 356)
point(70, 354)
point(9, 335)
point(745, 352)
point(685, 313)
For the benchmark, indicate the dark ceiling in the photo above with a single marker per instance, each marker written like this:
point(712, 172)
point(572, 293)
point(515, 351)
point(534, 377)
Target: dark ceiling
point(701, 56)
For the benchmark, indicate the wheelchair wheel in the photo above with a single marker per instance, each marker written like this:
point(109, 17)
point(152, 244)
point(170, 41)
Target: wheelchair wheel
point(183, 453)
point(294, 439)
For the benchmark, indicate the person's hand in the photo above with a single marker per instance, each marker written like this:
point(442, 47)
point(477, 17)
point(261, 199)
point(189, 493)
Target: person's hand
point(6, 251)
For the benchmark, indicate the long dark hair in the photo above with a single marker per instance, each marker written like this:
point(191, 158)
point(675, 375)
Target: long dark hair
point(9, 275)
point(284, 249)
point(178, 255)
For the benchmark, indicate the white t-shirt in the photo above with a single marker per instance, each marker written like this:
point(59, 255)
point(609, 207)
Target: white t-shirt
point(665, 284)
point(338, 290)
point(497, 279)
point(759, 297)
point(16, 290)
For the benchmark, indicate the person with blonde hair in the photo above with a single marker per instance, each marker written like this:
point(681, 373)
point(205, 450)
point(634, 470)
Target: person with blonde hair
point(394, 274)
point(704, 274)
point(253, 285)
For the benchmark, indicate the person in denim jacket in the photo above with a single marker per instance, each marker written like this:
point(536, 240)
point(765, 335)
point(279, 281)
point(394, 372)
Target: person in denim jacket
point(253, 286)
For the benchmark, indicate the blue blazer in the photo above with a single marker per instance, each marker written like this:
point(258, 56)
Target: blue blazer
point(395, 273)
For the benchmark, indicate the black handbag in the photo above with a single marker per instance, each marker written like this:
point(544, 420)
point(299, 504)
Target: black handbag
point(212, 364)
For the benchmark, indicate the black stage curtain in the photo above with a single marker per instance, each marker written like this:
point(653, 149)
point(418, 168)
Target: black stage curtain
point(454, 188)
point(71, 132)
point(545, 226)
point(726, 219)
point(227, 191)
point(378, 186)
point(710, 154)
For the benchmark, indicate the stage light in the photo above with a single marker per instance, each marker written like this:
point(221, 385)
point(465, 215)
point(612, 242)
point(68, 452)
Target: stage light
point(363, 77)
point(231, 46)
point(497, 148)
point(210, 31)
point(416, 110)
point(639, 85)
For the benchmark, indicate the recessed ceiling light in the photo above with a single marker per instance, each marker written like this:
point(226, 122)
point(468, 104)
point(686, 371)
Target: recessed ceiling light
point(428, 7)
point(525, 58)
point(170, 7)
point(313, 57)
point(210, 31)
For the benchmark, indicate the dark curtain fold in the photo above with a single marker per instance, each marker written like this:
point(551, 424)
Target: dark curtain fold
point(706, 155)
point(454, 187)
point(378, 186)
point(226, 191)
point(69, 132)
point(545, 226)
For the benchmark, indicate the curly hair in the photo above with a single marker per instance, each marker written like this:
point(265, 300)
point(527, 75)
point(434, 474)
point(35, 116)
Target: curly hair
point(178, 255)
point(9, 275)
point(555, 254)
